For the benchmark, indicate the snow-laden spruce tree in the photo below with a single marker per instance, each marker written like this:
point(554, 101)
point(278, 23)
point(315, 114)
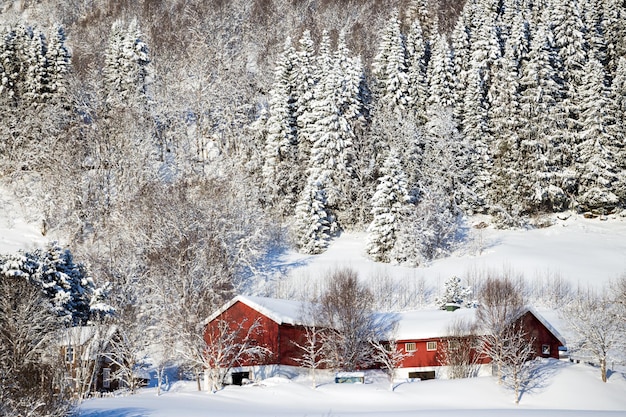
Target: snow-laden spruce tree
point(544, 138)
point(454, 292)
point(126, 70)
point(67, 285)
point(306, 77)
point(390, 67)
point(614, 25)
point(281, 147)
point(314, 225)
point(58, 61)
point(440, 74)
point(597, 148)
point(35, 77)
point(569, 37)
point(388, 202)
point(337, 116)
point(427, 230)
point(417, 60)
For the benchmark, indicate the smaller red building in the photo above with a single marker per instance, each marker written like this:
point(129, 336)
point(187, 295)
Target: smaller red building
point(280, 324)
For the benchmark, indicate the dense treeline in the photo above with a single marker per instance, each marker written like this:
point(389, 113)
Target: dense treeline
point(173, 144)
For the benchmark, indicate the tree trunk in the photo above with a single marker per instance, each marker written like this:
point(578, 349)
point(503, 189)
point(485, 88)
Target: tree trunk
point(603, 369)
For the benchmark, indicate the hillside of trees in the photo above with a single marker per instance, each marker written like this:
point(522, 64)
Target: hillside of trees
point(174, 144)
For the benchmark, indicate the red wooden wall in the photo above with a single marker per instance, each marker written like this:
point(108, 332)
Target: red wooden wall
point(277, 338)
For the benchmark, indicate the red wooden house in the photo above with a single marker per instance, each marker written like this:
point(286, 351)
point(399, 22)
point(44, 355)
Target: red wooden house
point(421, 334)
point(280, 323)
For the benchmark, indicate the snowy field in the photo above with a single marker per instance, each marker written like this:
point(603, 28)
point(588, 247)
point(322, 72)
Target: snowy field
point(561, 389)
point(581, 251)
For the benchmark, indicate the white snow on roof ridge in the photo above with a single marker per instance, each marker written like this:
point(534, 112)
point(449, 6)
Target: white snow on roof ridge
point(281, 311)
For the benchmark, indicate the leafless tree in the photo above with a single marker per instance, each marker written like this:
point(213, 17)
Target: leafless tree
point(518, 351)
point(126, 353)
point(500, 304)
point(461, 352)
point(312, 348)
point(345, 310)
point(227, 345)
point(599, 324)
point(386, 351)
point(32, 373)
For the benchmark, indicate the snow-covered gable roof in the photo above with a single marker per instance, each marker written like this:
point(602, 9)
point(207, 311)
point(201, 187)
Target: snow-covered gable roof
point(547, 325)
point(278, 310)
point(429, 324)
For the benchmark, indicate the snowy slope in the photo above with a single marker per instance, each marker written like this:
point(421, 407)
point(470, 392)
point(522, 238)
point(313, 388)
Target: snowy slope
point(16, 232)
point(582, 251)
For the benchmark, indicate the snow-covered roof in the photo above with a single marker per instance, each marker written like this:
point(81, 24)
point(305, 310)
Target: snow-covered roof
point(278, 310)
point(427, 324)
point(547, 325)
point(432, 323)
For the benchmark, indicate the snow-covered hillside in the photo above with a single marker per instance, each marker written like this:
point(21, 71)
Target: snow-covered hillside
point(580, 251)
point(561, 389)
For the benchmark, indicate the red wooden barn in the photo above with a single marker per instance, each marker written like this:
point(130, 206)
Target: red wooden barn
point(280, 324)
point(422, 334)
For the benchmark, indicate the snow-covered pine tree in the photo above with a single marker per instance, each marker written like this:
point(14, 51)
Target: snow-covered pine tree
point(569, 37)
point(618, 95)
point(505, 122)
point(281, 164)
point(614, 24)
point(126, 72)
point(391, 69)
point(454, 292)
point(544, 138)
point(338, 112)
point(440, 76)
point(392, 194)
point(428, 230)
point(314, 225)
point(618, 88)
point(68, 286)
point(569, 30)
point(35, 77)
point(418, 51)
point(426, 15)
point(58, 60)
point(306, 77)
point(597, 148)
point(593, 20)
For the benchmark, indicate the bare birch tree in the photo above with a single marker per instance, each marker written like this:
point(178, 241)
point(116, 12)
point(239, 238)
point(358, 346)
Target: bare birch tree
point(312, 348)
point(387, 353)
point(517, 365)
point(500, 304)
point(599, 326)
point(345, 310)
point(461, 353)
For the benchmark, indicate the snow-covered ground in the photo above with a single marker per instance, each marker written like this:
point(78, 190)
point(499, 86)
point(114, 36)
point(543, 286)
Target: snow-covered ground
point(15, 231)
point(562, 389)
point(581, 251)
